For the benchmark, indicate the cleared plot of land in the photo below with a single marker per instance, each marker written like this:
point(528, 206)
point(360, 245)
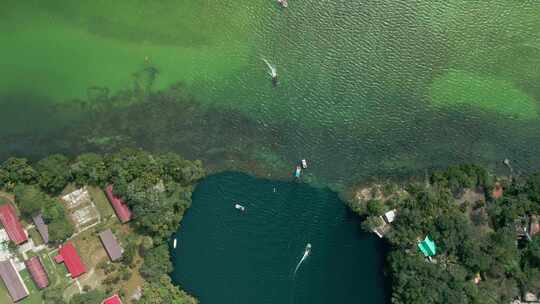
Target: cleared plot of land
point(83, 211)
point(4, 295)
point(101, 201)
point(34, 235)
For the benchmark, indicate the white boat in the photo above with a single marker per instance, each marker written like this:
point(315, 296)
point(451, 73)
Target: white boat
point(297, 172)
point(174, 244)
point(239, 207)
point(304, 164)
point(307, 251)
point(283, 3)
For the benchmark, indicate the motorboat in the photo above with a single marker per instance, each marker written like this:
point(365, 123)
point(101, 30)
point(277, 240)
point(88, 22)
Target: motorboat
point(304, 164)
point(283, 3)
point(174, 244)
point(307, 251)
point(298, 172)
point(239, 207)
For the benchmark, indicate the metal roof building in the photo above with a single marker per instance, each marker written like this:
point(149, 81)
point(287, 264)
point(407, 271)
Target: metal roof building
point(111, 244)
point(428, 247)
point(120, 207)
point(68, 254)
point(37, 271)
point(41, 227)
point(13, 281)
point(115, 299)
point(11, 223)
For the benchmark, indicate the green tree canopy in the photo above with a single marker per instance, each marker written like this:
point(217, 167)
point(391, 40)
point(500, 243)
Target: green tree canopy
point(17, 170)
point(29, 199)
point(89, 169)
point(91, 297)
point(53, 173)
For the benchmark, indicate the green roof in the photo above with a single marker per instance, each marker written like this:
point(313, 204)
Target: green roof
point(428, 247)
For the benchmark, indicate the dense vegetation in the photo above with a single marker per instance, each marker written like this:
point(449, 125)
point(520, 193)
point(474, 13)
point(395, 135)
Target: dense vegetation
point(482, 239)
point(157, 188)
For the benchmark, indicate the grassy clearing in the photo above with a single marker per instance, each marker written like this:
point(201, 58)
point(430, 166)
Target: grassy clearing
point(35, 236)
point(35, 294)
point(101, 201)
point(4, 295)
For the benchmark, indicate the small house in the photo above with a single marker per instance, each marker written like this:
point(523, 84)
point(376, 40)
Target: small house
point(69, 256)
point(41, 227)
point(115, 299)
point(427, 247)
point(497, 191)
point(119, 206)
point(390, 216)
point(111, 245)
point(37, 272)
point(13, 281)
point(11, 223)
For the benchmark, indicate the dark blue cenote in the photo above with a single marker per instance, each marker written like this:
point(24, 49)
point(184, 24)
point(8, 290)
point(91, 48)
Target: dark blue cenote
point(224, 255)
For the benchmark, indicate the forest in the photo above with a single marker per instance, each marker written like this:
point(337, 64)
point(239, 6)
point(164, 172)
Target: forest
point(485, 229)
point(157, 188)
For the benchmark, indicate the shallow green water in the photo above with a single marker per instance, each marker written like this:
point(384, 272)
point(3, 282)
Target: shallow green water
point(366, 88)
point(225, 256)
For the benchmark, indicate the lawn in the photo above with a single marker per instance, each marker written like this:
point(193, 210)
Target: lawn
point(101, 201)
point(4, 295)
point(35, 294)
point(35, 236)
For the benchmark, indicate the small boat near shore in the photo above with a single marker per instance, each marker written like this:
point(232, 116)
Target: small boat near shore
point(283, 3)
point(304, 164)
point(239, 207)
point(298, 172)
point(174, 243)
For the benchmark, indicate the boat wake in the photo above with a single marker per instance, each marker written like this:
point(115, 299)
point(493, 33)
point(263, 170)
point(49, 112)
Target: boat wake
point(307, 251)
point(272, 68)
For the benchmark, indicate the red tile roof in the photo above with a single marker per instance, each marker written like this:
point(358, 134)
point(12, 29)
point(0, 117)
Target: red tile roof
point(120, 207)
point(11, 223)
point(497, 191)
point(38, 273)
point(71, 259)
point(112, 300)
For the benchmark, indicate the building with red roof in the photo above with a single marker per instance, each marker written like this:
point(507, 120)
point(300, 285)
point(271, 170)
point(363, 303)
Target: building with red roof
point(120, 207)
point(11, 223)
point(68, 254)
point(115, 299)
point(37, 271)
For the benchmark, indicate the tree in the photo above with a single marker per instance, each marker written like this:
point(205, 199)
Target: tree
point(162, 290)
point(180, 170)
point(91, 297)
point(156, 263)
point(29, 199)
point(89, 169)
point(129, 253)
point(533, 250)
point(53, 173)
point(375, 207)
point(53, 294)
point(18, 170)
point(55, 215)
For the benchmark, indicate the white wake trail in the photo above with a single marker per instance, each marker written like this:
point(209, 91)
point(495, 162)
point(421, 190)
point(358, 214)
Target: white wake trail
point(307, 251)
